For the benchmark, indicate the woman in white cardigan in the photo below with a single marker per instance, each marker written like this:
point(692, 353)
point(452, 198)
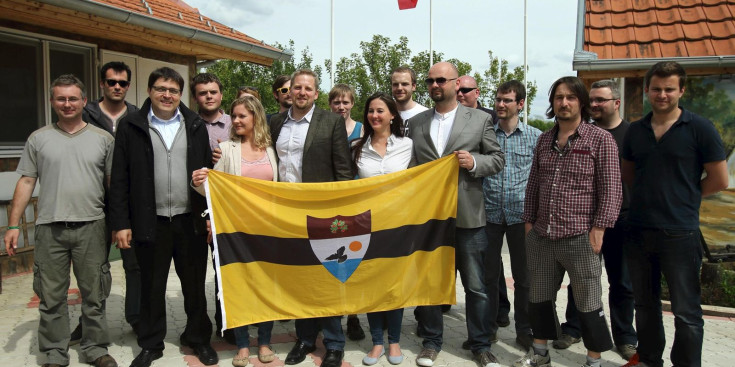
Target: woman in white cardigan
point(248, 153)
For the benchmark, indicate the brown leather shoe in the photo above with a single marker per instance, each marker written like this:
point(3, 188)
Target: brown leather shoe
point(105, 361)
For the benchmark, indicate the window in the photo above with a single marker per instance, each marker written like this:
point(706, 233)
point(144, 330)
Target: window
point(36, 61)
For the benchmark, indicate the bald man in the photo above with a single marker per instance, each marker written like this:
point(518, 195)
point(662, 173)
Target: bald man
point(468, 93)
point(453, 129)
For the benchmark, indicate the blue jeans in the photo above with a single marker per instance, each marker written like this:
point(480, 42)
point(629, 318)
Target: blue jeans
point(242, 338)
point(334, 337)
point(392, 319)
point(678, 255)
point(470, 249)
point(621, 291)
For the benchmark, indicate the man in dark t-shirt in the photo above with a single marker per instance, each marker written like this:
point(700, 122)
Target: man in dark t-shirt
point(664, 156)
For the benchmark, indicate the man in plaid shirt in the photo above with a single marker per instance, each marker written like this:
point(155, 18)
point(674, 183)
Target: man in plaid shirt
point(573, 194)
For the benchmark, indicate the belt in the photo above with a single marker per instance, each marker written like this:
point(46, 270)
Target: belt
point(71, 225)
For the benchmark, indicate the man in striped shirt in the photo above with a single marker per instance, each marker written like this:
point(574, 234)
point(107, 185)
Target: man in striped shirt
point(504, 196)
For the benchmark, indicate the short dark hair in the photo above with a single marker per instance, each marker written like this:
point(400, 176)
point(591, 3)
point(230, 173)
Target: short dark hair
point(279, 82)
point(67, 80)
point(405, 69)
point(513, 86)
point(665, 69)
point(579, 90)
point(165, 73)
point(396, 127)
point(609, 84)
point(204, 78)
point(117, 66)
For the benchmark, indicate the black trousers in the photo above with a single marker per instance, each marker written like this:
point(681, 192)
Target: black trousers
point(175, 239)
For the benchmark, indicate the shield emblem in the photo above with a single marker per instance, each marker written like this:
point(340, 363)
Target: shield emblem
point(340, 242)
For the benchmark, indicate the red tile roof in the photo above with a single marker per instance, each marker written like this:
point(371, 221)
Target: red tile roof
point(179, 12)
point(626, 29)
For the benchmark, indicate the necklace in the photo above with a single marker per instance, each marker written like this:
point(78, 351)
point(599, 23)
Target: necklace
point(73, 131)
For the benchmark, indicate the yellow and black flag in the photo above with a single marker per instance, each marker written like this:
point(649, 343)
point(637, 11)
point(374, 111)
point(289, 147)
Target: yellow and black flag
point(290, 251)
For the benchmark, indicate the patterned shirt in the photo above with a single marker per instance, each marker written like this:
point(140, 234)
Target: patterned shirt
point(576, 187)
point(505, 191)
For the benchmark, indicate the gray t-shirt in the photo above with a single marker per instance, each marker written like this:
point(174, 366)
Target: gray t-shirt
point(71, 171)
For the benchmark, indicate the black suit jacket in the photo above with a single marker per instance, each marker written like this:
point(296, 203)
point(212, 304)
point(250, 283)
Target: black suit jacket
point(326, 152)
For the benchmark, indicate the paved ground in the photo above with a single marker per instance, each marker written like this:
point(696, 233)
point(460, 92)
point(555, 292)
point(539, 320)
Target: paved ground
point(19, 343)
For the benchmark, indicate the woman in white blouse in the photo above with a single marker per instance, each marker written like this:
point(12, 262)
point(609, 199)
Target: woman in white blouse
point(382, 149)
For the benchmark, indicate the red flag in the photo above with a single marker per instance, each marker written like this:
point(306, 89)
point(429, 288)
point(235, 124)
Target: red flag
point(407, 4)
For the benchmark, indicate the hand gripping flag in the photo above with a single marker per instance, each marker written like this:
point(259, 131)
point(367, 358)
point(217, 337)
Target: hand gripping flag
point(289, 251)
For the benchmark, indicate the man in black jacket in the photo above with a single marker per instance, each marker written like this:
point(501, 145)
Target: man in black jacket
point(153, 208)
point(105, 114)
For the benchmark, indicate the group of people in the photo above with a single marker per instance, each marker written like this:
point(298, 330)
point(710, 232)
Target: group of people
point(592, 186)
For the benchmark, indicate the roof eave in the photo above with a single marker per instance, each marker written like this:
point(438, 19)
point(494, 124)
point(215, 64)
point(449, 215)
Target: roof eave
point(587, 61)
point(142, 20)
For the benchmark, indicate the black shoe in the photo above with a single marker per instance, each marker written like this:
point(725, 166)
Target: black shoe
point(203, 351)
point(446, 308)
point(354, 330)
point(493, 340)
point(76, 336)
point(298, 352)
point(333, 358)
point(146, 357)
point(525, 341)
point(206, 354)
point(503, 321)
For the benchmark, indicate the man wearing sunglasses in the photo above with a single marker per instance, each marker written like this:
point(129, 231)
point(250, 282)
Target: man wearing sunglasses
point(105, 114)
point(453, 129)
point(112, 107)
point(468, 93)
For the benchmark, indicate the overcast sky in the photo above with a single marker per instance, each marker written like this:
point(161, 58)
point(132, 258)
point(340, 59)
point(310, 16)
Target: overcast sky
point(463, 29)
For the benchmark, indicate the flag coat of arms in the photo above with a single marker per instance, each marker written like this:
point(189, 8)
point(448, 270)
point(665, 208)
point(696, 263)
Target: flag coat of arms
point(288, 251)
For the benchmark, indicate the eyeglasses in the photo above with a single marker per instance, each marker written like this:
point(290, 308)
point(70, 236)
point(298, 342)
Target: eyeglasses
point(283, 90)
point(63, 100)
point(439, 81)
point(601, 100)
point(465, 90)
point(504, 100)
point(112, 82)
point(163, 90)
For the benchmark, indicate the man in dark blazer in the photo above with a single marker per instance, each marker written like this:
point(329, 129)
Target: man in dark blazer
point(311, 145)
point(467, 133)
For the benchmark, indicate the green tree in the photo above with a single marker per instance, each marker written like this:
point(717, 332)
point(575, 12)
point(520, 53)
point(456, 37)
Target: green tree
point(234, 74)
point(369, 71)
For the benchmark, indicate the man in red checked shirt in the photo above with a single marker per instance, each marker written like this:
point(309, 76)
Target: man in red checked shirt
point(573, 194)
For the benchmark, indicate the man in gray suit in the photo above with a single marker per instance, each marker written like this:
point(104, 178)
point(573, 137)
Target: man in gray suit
point(311, 145)
point(468, 134)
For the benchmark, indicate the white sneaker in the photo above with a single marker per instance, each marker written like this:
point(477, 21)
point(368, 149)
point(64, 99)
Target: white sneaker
point(426, 358)
point(531, 359)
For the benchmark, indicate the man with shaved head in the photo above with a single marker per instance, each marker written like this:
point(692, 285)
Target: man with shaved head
point(453, 129)
point(468, 93)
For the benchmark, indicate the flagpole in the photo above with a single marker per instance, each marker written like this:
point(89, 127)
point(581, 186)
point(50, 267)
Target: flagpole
point(525, 59)
point(331, 71)
point(431, 32)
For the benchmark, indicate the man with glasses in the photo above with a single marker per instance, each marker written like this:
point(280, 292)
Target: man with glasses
point(105, 114)
point(505, 193)
point(453, 129)
point(72, 161)
point(468, 95)
point(280, 89)
point(573, 193)
point(605, 111)
point(154, 210)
